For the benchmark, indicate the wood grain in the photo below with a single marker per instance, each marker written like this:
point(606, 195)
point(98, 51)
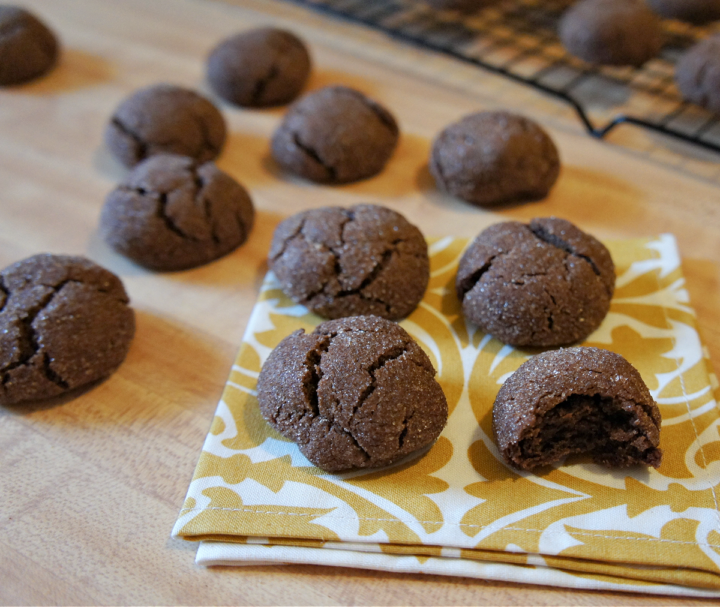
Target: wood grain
point(91, 484)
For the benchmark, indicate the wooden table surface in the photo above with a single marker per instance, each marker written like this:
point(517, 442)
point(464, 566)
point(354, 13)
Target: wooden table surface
point(90, 486)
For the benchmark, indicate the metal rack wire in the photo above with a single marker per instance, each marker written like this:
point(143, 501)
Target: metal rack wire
point(518, 39)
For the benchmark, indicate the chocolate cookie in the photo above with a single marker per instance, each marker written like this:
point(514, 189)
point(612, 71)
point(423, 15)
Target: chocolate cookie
point(542, 284)
point(347, 262)
point(28, 48)
point(172, 213)
point(258, 68)
point(64, 322)
point(463, 6)
point(611, 32)
point(355, 393)
point(335, 135)
point(577, 400)
point(165, 119)
point(490, 158)
point(693, 11)
point(697, 74)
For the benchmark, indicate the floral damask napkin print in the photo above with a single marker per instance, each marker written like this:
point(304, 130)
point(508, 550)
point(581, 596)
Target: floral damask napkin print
point(458, 502)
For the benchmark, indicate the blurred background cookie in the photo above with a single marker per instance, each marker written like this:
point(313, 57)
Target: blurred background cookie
point(173, 213)
point(464, 6)
point(64, 322)
point(366, 259)
point(611, 32)
point(490, 158)
point(355, 393)
point(572, 401)
point(335, 135)
point(693, 11)
point(697, 74)
point(541, 284)
point(258, 68)
point(164, 118)
point(28, 47)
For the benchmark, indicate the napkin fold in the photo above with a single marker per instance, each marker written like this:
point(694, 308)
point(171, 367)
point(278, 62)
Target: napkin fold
point(456, 508)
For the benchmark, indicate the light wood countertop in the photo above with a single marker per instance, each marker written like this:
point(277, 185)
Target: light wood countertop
point(91, 486)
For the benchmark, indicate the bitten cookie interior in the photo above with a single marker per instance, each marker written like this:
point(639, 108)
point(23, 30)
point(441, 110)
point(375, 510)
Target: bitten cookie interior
point(577, 401)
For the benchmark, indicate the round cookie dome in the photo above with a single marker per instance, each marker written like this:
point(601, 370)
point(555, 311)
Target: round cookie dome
point(489, 158)
point(64, 322)
point(577, 400)
point(165, 119)
point(355, 393)
point(366, 259)
point(541, 284)
point(611, 32)
point(697, 74)
point(28, 47)
point(693, 11)
point(259, 68)
point(173, 213)
point(335, 135)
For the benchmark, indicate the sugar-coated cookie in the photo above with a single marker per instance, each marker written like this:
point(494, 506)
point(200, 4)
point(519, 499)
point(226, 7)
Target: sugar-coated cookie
point(355, 393)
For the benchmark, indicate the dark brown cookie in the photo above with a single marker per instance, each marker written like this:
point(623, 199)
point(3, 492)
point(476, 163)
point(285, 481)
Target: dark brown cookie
point(542, 284)
point(355, 393)
point(348, 262)
point(490, 158)
point(697, 74)
point(165, 119)
point(64, 322)
point(463, 6)
point(28, 48)
point(611, 32)
point(693, 11)
point(335, 135)
point(258, 68)
point(172, 213)
point(577, 400)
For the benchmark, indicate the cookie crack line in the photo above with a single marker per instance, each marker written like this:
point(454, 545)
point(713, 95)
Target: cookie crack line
point(30, 338)
point(312, 153)
point(312, 364)
point(375, 109)
point(287, 240)
point(140, 145)
point(205, 202)
point(559, 243)
point(382, 360)
point(3, 291)
point(262, 84)
point(468, 284)
point(162, 199)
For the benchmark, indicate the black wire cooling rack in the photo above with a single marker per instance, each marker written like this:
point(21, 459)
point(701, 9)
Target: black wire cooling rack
point(518, 39)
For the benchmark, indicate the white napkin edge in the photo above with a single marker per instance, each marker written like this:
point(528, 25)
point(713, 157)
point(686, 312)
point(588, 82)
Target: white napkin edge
point(244, 555)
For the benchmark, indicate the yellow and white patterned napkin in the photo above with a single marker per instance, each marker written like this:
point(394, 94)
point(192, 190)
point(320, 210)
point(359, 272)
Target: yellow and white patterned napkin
point(457, 509)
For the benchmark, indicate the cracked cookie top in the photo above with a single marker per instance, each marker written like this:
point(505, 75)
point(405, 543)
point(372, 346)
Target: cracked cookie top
point(64, 322)
point(577, 400)
point(164, 118)
point(173, 213)
point(355, 393)
point(335, 135)
point(258, 68)
point(546, 283)
point(28, 48)
point(366, 259)
point(490, 158)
